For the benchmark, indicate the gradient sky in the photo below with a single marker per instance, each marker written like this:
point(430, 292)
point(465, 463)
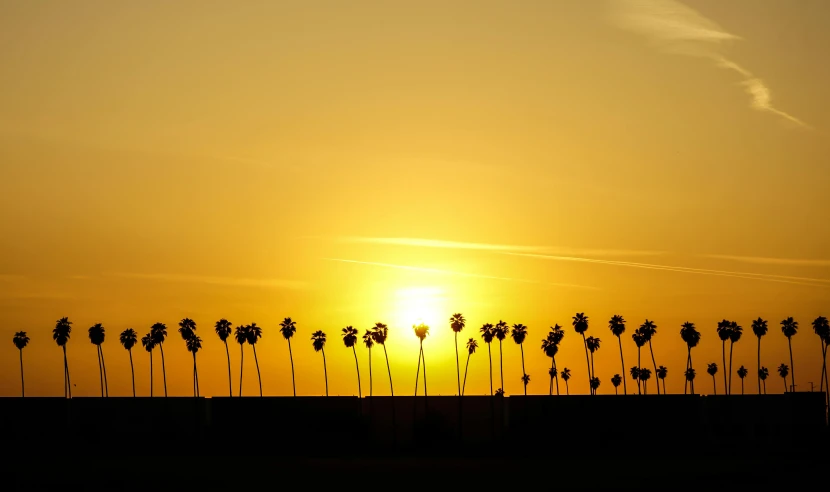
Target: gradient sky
point(345, 163)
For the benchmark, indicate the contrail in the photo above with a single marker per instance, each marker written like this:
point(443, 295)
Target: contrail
point(239, 282)
point(771, 261)
point(676, 28)
point(460, 274)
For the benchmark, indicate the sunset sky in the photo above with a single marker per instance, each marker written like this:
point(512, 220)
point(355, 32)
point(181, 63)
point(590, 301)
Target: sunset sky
point(346, 163)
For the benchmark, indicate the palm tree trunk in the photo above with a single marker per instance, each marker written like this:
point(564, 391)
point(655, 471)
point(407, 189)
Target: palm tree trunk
point(622, 363)
point(371, 384)
point(725, 369)
point(688, 383)
point(765, 387)
point(550, 386)
point(325, 371)
point(664, 386)
point(132, 370)
point(615, 391)
point(163, 369)
point(151, 374)
point(826, 386)
point(639, 385)
point(588, 362)
point(418, 370)
point(22, 381)
point(645, 387)
point(501, 367)
point(792, 366)
point(759, 365)
point(66, 368)
point(714, 385)
point(230, 385)
point(521, 347)
point(691, 366)
point(490, 357)
point(650, 349)
point(241, 365)
point(557, 375)
point(742, 385)
point(785, 384)
point(359, 392)
point(466, 367)
point(256, 361)
point(291, 356)
point(425, 369)
point(389, 370)
point(592, 371)
point(198, 393)
point(195, 388)
point(731, 345)
point(104, 364)
point(100, 371)
point(457, 366)
point(567, 391)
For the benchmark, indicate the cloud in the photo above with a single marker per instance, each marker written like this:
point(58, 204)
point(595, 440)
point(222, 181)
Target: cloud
point(434, 243)
point(771, 261)
point(676, 28)
point(459, 274)
point(240, 282)
point(812, 282)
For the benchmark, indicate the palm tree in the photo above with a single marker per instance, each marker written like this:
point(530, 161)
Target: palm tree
point(759, 328)
point(96, 337)
point(648, 330)
point(580, 324)
point(63, 328)
point(789, 327)
point(566, 375)
point(457, 323)
point(472, 345)
point(639, 340)
point(187, 328)
point(223, 331)
point(763, 374)
point(421, 331)
point(288, 328)
point(593, 345)
point(194, 343)
point(690, 375)
point(712, 369)
point(349, 340)
point(318, 341)
point(594, 385)
point(635, 375)
point(500, 392)
point(241, 336)
point(616, 380)
point(742, 372)
point(519, 333)
point(149, 344)
point(822, 328)
point(159, 333)
point(783, 371)
point(380, 332)
point(20, 341)
point(645, 375)
point(617, 327)
point(662, 372)
point(735, 332)
point(128, 339)
point(551, 348)
point(487, 334)
point(369, 341)
point(691, 336)
point(254, 333)
point(724, 332)
point(500, 331)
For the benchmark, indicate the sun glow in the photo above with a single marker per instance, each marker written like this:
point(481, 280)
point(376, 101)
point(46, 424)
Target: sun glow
point(416, 305)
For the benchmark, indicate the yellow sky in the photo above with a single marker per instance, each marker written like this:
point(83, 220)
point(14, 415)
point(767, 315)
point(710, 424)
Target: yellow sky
point(165, 160)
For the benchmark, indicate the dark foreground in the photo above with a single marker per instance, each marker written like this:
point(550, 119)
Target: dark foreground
point(665, 441)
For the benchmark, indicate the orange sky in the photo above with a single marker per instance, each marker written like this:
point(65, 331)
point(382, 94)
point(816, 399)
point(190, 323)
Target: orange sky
point(166, 160)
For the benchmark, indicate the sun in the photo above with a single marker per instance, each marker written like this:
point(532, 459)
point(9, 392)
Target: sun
point(416, 305)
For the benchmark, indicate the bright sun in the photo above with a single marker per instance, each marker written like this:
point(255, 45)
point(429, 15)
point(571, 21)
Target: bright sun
point(415, 305)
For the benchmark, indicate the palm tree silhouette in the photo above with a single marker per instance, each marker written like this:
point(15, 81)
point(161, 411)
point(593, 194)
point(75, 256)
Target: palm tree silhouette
point(742, 372)
point(783, 371)
point(96, 337)
point(241, 336)
point(369, 341)
point(349, 340)
point(500, 392)
point(759, 328)
point(566, 375)
point(487, 334)
point(712, 369)
point(635, 375)
point(149, 344)
point(457, 323)
point(20, 341)
point(223, 331)
point(128, 339)
point(639, 340)
point(789, 327)
point(735, 332)
point(500, 331)
point(194, 343)
point(61, 333)
point(318, 341)
point(645, 375)
point(187, 328)
point(822, 328)
point(724, 333)
point(472, 345)
point(551, 348)
point(159, 333)
point(691, 336)
point(763, 374)
point(421, 331)
point(617, 327)
point(648, 330)
point(254, 333)
point(616, 380)
point(662, 372)
point(288, 328)
point(593, 345)
point(594, 385)
point(690, 375)
point(580, 324)
point(380, 332)
point(519, 333)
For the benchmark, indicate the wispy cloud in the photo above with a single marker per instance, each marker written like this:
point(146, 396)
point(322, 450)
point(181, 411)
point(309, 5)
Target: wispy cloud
point(240, 282)
point(435, 243)
point(771, 261)
point(676, 28)
point(459, 274)
point(812, 282)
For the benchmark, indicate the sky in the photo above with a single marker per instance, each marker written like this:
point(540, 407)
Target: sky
point(347, 163)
